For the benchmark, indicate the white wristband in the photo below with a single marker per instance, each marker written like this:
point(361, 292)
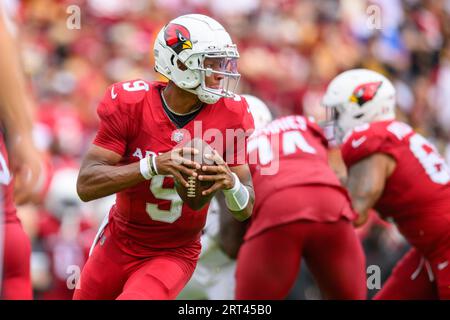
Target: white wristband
point(145, 169)
point(237, 197)
point(154, 164)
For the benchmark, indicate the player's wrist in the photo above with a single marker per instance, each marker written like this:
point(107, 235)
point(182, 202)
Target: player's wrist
point(147, 167)
point(237, 197)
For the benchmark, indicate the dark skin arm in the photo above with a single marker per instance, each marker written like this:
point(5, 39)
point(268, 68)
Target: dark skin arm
point(337, 164)
point(100, 176)
point(366, 182)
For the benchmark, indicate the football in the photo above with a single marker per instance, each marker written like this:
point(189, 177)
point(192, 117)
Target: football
point(192, 195)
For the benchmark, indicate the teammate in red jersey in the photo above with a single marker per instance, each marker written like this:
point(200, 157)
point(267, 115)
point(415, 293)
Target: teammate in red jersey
point(301, 211)
point(399, 173)
point(19, 158)
point(150, 245)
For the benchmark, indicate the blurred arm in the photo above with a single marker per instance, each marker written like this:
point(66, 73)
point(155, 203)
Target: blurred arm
point(14, 106)
point(244, 175)
point(366, 181)
point(232, 231)
point(16, 118)
point(337, 164)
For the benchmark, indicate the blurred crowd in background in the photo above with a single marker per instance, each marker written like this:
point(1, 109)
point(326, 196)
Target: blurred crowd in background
point(289, 51)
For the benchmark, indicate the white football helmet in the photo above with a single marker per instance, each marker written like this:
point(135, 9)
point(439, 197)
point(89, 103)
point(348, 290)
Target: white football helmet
point(259, 110)
point(188, 40)
point(62, 197)
point(356, 97)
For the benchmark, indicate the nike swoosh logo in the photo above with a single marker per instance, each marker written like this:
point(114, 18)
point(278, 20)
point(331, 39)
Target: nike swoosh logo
point(358, 142)
point(443, 265)
point(113, 95)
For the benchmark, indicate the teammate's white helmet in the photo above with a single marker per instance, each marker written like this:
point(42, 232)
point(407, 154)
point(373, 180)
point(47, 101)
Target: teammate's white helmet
point(356, 97)
point(190, 39)
point(62, 196)
point(259, 110)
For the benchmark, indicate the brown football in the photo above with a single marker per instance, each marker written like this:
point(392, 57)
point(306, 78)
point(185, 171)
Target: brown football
point(192, 195)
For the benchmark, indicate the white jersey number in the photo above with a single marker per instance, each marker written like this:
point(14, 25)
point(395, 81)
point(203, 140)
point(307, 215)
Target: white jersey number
point(291, 141)
point(137, 85)
point(430, 159)
point(170, 194)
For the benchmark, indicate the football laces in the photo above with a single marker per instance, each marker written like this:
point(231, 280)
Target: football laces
point(191, 187)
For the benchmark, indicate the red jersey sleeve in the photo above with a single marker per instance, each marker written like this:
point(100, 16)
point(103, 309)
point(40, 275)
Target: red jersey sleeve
point(362, 142)
point(112, 131)
point(244, 128)
point(120, 112)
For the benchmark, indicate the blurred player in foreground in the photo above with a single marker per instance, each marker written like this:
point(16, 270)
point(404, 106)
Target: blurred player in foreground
point(214, 276)
point(399, 173)
point(18, 158)
point(149, 245)
point(301, 211)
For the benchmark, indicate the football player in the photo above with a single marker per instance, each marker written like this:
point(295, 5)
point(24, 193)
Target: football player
point(213, 278)
point(301, 211)
point(18, 158)
point(149, 244)
point(400, 174)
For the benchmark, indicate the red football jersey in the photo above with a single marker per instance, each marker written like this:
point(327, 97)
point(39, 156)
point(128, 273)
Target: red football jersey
point(7, 185)
point(417, 194)
point(133, 124)
point(292, 151)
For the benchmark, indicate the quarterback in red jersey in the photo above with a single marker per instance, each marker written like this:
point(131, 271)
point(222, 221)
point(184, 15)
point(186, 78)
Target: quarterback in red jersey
point(149, 244)
point(300, 208)
point(400, 174)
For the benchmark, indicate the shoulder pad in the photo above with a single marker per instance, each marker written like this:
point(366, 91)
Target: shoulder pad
point(236, 105)
point(123, 95)
point(362, 142)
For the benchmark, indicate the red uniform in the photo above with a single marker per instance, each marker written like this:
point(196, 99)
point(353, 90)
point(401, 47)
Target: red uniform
point(16, 250)
point(300, 208)
point(416, 196)
point(63, 251)
point(149, 221)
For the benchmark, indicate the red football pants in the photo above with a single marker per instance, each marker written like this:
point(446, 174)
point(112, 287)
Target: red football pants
point(110, 274)
point(269, 263)
point(16, 282)
point(417, 278)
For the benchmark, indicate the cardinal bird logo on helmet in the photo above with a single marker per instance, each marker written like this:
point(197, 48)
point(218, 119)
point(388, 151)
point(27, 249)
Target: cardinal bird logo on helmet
point(365, 92)
point(177, 37)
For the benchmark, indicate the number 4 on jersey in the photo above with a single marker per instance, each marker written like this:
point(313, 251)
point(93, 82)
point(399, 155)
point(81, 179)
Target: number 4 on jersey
point(291, 142)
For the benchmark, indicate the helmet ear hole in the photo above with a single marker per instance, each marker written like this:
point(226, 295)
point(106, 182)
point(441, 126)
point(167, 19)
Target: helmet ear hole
point(181, 65)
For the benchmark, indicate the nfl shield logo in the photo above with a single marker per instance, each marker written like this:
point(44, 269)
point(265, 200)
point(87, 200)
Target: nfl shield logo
point(177, 136)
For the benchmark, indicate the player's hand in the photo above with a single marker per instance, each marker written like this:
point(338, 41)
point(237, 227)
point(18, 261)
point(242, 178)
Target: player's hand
point(173, 163)
point(26, 166)
point(220, 174)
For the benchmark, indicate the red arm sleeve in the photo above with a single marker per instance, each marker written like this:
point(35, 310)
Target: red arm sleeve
point(112, 133)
